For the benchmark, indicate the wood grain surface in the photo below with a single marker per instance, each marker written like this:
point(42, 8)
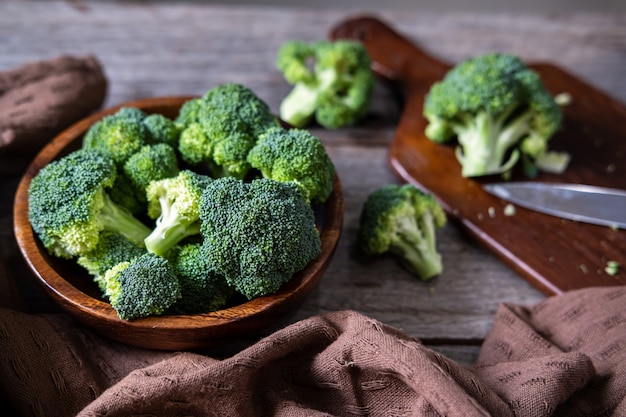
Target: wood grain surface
point(183, 48)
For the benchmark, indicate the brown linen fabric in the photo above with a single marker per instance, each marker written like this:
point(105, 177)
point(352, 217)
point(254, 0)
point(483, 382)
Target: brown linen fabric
point(40, 99)
point(564, 356)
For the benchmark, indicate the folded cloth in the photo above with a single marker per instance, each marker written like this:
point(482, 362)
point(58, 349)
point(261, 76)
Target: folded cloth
point(40, 99)
point(564, 356)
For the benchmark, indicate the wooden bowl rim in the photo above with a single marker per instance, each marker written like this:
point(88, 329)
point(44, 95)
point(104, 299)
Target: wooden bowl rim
point(99, 312)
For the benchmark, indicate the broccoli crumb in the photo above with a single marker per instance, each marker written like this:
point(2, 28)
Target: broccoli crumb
point(612, 267)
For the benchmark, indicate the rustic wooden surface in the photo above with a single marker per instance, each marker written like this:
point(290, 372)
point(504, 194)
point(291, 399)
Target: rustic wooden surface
point(160, 48)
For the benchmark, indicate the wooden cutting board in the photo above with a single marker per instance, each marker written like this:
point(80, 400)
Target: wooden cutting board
point(553, 254)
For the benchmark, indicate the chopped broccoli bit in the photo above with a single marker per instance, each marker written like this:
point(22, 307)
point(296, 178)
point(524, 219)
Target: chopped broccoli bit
point(162, 129)
point(492, 104)
point(403, 220)
point(257, 234)
point(295, 155)
point(151, 163)
point(336, 92)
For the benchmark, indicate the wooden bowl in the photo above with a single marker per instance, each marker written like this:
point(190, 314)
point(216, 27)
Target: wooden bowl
point(75, 291)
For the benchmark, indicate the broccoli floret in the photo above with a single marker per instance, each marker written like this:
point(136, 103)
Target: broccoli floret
point(336, 92)
point(162, 129)
point(151, 163)
point(220, 128)
point(111, 249)
point(402, 220)
point(69, 205)
point(175, 203)
point(202, 290)
point(142, 287)
point(257, 234)
point(125, 194)
point(119, 135)
point(295, 155)
point(492, 103)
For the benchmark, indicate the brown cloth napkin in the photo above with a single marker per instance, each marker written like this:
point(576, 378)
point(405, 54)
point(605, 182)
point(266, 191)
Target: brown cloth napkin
point(40, 99)
point(565, 356)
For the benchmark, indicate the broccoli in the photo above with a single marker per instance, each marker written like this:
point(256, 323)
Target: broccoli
point(294, 155)
point(336, 92)
point(175, 203)
point(402, 220)
point(492, 103)
point(141, 287)
point(69, 205)
point(202, 290)
point(162, 129)
point(220, 128)
point(111, 249)
point(150, 163)
point(119, 135)
point(257, 234)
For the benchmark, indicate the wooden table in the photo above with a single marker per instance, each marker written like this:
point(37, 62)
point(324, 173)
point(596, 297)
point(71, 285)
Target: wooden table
point(176, 48)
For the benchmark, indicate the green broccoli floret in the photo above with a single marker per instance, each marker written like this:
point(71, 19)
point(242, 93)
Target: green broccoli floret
point(257, 234)
point(69, 205)
point(142, 287)
point(125, 194)
point(492, 103)
point(402, 220)
point(111, 249)
point(336, 92)
point(295, 155)
point(162, 129)
point(220, 128)
point(150, 163)
point(119, 135)
point(175, 203)
point(202, 290)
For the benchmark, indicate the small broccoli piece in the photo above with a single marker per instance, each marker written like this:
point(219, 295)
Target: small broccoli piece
point(175, 203)
point(119, 135)
point(257, 234)
point(336, 92)
point(295, 155)
point(162, 129)
point(151, 163)
point(142, 287)
point(69, 205)
point(202, 290)
point(403, 220)
point(220, 128)
point(111, 249)
point(492, 103)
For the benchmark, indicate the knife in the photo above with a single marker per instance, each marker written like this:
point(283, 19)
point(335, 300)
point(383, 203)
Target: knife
point(578, 202)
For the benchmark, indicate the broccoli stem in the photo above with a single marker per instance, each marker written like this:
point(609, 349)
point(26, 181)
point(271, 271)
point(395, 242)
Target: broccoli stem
point(415, 242)
point(118, 219)
point(298, 106)
point(170, 229)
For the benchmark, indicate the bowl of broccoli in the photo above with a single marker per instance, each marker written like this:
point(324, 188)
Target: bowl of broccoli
point(180, 222)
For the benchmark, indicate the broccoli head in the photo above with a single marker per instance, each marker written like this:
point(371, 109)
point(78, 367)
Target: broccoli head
point(111, 249)
point(175, 203)
point(119, 135)
point(295, 155)
point(69, 205)
point(141, 287)
point(150, 163)
point(492, 103)
point(202, 290)
point(257, 234)
point(220, 128)
point(162, 129)
point(336, 92)
point(402, 220)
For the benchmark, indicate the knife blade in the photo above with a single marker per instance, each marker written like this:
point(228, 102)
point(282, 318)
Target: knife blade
point(578, 202)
